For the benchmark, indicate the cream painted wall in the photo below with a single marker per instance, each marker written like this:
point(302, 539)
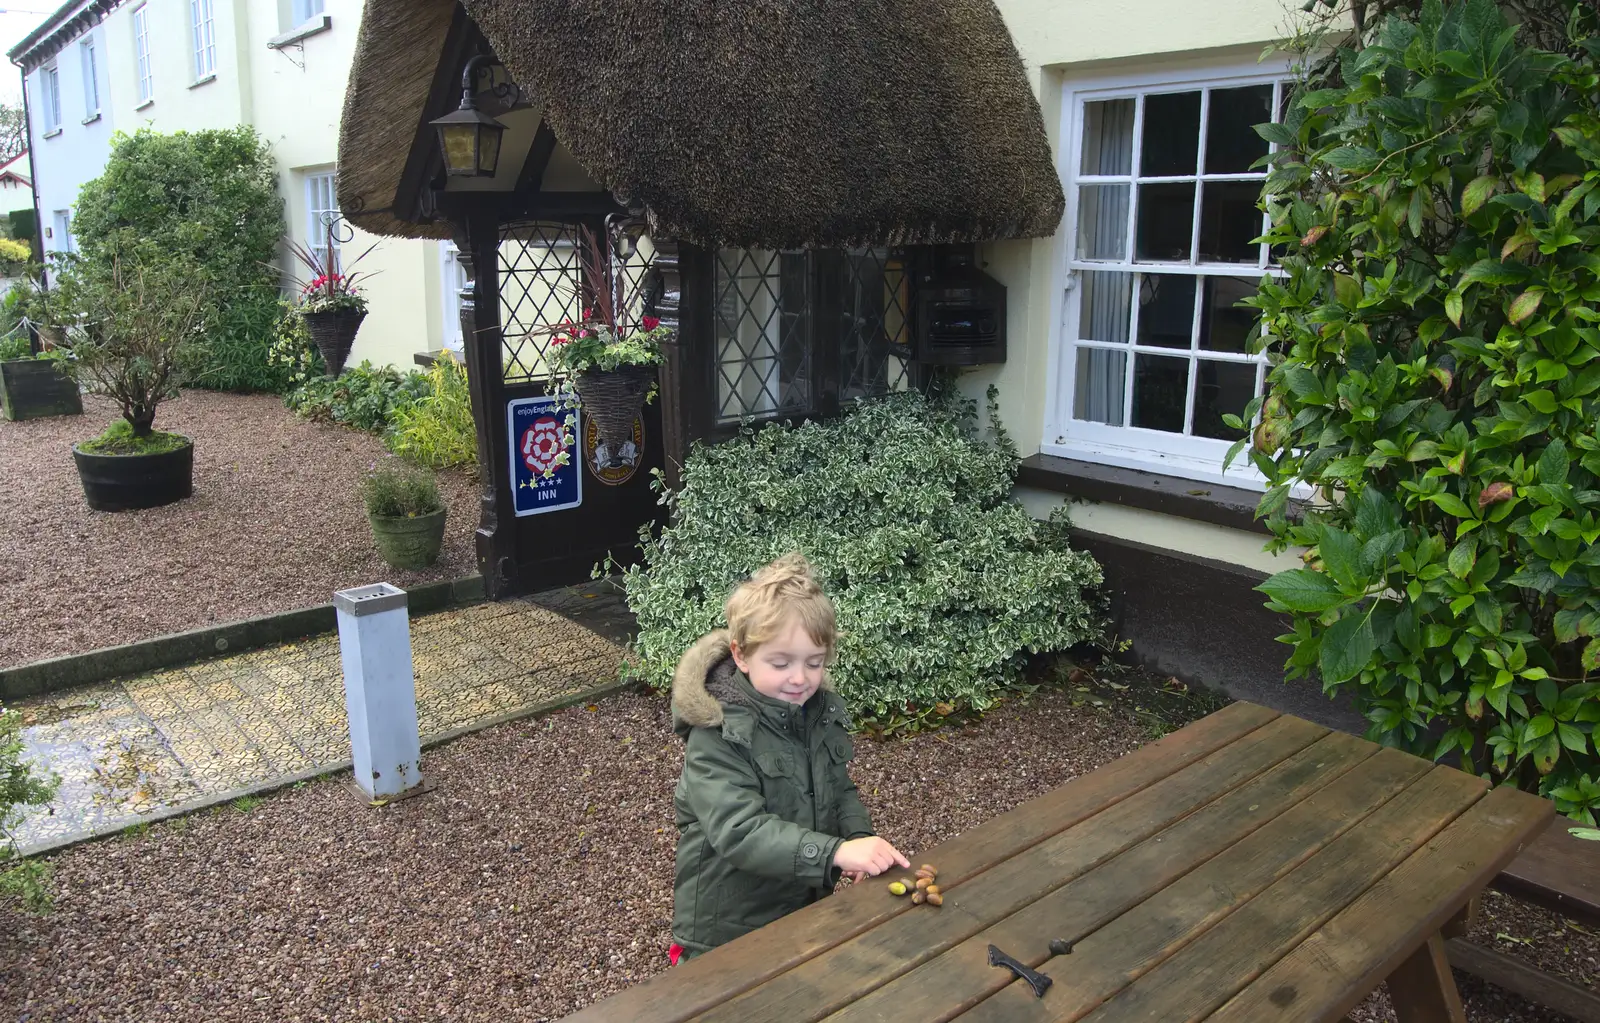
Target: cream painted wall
point(294, 97)
point(1059, 40)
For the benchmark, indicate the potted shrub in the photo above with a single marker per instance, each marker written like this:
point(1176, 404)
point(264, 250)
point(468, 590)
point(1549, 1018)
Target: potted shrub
point(406, 513)
point(609, 358)
point(331, 304)
point(129, 325)
point(32, 385)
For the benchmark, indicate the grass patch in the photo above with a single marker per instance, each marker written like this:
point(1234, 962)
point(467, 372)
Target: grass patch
point(119, 440)
point(244, 804)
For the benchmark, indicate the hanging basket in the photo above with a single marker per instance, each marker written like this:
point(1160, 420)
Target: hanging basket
point(613, 399)
point(334, 332)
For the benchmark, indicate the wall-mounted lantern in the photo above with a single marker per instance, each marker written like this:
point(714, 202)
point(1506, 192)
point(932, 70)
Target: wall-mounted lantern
point(468, 137)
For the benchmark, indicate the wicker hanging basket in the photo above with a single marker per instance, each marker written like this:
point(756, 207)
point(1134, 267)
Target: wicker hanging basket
point(613, 399)
point(334, 332)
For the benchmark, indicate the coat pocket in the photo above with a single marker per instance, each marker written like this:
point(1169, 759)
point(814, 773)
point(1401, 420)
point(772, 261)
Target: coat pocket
point(780, 782)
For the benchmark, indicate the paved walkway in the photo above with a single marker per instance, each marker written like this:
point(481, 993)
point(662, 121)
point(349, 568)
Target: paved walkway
point(184, 737)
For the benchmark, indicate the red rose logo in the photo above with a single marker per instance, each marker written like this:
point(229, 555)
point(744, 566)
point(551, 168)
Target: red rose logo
point(542, 444)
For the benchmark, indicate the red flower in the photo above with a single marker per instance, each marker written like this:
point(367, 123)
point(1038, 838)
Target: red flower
point(651, 322)
point(560, 340)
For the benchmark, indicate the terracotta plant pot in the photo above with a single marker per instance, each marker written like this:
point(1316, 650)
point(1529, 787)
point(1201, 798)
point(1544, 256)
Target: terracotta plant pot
point(334, 332)
point(35, 388)
point(613, 400)
point(409, 543)
point(126, 482)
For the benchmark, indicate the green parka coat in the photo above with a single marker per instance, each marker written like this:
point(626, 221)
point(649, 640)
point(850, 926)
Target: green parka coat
point(763, 803)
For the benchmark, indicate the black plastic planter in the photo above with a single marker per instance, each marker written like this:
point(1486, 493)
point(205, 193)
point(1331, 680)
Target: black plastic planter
point(36, 388)
point(126, 482)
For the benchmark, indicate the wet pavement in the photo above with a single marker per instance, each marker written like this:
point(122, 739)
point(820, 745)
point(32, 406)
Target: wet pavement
point(129, 749)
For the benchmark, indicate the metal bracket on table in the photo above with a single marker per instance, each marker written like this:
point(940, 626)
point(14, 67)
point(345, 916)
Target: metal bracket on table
point(1039, 981)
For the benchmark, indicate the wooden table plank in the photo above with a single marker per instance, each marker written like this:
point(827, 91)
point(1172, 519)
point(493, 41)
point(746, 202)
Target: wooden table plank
point(1215, 965)
point(1332, 970)
point(1559, 872)
point(1185, 946)
point(1337, 772)
point(739, 966)
point(833, 979)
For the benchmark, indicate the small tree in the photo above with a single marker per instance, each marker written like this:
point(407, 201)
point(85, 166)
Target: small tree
point(207, 199)
point(20, 787)
point(131, 323)
point(1436, 200)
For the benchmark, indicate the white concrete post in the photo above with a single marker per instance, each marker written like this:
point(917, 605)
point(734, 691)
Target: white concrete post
point(380, 690)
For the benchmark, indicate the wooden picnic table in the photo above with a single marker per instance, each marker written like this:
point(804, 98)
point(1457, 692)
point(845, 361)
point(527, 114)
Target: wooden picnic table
point(1251, 867)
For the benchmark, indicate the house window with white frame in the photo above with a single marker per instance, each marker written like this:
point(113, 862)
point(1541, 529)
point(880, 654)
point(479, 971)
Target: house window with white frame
point(322, 217)
point(305, 10)
point(204, 24)
point(50, 97)
point(61, 220)
point(1163, 183)
point(91, 79)
point(141, 53)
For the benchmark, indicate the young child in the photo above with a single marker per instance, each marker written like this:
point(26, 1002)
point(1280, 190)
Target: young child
point(768, 818)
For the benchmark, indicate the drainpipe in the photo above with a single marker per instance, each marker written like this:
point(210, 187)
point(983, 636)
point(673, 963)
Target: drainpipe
point(33, 174)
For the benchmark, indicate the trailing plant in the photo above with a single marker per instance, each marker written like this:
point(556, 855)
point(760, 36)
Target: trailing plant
point(437, 429)
point(130, 324)
point(364, 397)
point(942, 582)
point(292, 350)
point(207, 199)
point(20, 787)
point(396, 490)
point(1436, 385)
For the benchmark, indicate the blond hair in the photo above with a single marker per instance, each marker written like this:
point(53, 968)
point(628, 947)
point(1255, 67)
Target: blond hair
point(761, 608)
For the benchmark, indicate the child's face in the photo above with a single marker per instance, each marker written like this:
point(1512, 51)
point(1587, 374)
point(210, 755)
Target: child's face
point(787, 668)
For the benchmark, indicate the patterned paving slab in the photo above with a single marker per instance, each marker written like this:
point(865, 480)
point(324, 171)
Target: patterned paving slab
point(127, 749)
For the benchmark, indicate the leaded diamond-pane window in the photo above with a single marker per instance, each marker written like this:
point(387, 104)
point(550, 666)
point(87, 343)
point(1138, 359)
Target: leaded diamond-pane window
point(782, 316)
point(539, 287)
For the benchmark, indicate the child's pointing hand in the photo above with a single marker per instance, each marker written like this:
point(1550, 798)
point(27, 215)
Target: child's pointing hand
point(867, 857)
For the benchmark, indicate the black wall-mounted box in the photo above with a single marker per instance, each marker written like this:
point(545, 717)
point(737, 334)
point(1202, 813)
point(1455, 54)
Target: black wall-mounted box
point(960, 317)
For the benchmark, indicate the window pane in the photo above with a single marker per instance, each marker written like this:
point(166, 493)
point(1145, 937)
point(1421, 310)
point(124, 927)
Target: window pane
point(1225, 325)
point(1222, 387)
point(1166, 222)
point(761, 313)
point(1166, 310)
point(1104, 308)
point(1103, 222)
point(1108, 137)
point(1232, 144)
point(1229, 222)
point(1099, 386)
point(1171, 134)
point(1160, 388)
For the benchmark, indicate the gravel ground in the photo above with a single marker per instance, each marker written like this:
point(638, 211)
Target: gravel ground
point(275, 524)
point(535, 879)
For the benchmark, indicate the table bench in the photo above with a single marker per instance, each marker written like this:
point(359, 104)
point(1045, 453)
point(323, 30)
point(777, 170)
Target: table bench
point(1250, 867)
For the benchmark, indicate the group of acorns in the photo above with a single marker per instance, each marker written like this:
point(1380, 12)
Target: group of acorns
point(925, 888)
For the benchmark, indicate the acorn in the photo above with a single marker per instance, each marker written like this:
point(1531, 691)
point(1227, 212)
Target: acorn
point(898, 888)
point(930, 875)
point(923, 882)
point(933, 889)
point(935, 899)
point(918, 897)
point(930, 868)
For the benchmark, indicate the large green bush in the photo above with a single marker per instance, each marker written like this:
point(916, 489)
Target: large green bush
point(20, 787)
point(942, 582)
point(1437, 385)
point(209, 201)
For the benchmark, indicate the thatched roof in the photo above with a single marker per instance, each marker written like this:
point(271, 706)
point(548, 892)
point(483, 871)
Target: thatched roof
point(770, 123)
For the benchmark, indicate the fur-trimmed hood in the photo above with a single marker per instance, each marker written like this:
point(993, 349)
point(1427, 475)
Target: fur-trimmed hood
point(707, 683)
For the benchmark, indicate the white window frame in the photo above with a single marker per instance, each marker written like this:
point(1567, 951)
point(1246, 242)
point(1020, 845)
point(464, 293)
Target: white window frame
point(91, 78)
point(203, 26)
point(61, 221)
point(1183, 455)
point(453, 277)
point(50, 95)
point(305, 10)
point(144, 70)
point(322, 197)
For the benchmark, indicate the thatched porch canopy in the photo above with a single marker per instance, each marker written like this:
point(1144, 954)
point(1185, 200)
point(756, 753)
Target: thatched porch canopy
point(761, 123)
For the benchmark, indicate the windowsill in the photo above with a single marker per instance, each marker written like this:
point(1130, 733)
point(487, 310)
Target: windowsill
point(1217, 504)
point(52, 133)
point(207, 80)
point(92, 118)
point(146, 103)
point(295, 35)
